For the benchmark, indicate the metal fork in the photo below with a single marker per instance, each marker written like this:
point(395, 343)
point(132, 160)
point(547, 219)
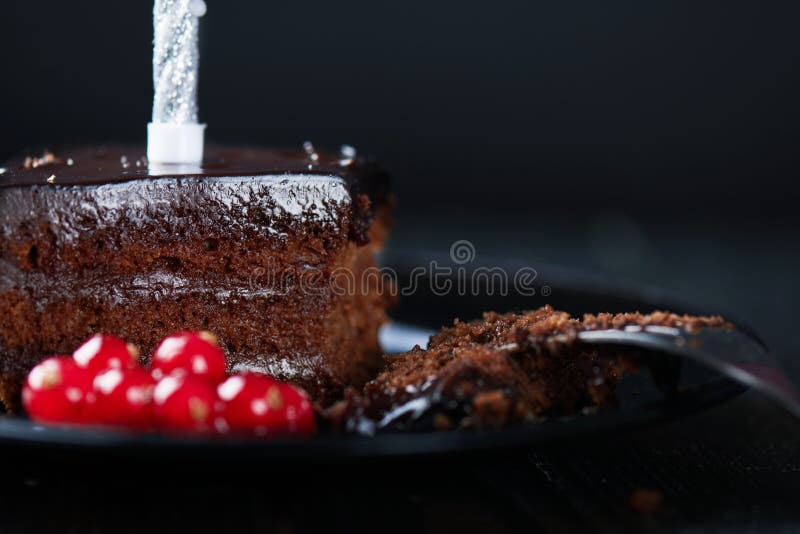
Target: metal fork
point(732, 353)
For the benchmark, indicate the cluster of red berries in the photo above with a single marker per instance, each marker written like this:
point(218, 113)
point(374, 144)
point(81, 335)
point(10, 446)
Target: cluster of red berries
point(186, 389)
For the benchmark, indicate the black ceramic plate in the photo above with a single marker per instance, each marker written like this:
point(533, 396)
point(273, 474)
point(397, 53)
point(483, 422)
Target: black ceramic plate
point(421, 311)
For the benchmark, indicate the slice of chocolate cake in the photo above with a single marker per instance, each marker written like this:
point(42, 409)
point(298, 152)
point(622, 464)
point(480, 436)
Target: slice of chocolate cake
point(95, 240)
point(503, 369)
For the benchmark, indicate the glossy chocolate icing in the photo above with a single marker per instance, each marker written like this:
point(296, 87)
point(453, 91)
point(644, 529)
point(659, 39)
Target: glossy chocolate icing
point(121, 163)
point(288, 170)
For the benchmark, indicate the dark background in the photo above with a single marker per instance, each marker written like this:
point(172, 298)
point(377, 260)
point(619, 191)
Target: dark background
point(650, 141)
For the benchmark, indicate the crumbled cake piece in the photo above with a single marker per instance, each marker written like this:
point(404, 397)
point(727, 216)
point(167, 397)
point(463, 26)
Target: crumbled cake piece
point(502, 369)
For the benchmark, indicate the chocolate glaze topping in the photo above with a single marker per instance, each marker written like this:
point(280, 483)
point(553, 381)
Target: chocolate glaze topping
point(121, 163)
point(368, 186)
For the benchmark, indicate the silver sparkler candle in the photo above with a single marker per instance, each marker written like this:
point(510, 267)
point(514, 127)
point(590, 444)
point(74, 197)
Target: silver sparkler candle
point(174, 135)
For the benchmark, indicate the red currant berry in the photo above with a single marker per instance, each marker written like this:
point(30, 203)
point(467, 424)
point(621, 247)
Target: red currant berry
point(57, 390)
point(196, 353)
point(184, 403)
point(238, 393)
point(298, 411)
point(104, 351)
point(259, 405)
point(124, 398)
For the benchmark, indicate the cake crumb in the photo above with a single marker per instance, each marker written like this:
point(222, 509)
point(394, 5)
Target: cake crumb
point(646, 501)
point(442, 422)
point(491, 408)
point(47, 158)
